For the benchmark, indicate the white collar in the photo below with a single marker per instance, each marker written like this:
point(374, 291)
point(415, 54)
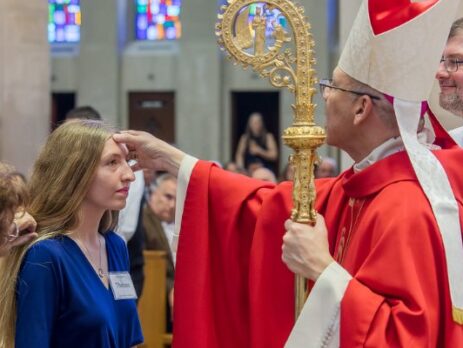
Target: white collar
point(392, 146)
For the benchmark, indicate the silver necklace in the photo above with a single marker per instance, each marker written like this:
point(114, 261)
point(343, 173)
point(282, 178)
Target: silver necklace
point(100, 271)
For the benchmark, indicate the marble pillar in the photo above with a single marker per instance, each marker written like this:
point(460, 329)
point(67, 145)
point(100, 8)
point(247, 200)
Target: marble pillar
point(24, 81)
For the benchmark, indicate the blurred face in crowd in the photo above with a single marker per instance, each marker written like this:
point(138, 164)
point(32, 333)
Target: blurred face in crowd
point(232, 167)
point(264, 174)
point(450, 81)
point(148, 176)
point(256, 123)
point(162, 200)
point(325, 170)
point(12, 196)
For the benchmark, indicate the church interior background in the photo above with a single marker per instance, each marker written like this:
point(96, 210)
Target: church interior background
point(146, 64)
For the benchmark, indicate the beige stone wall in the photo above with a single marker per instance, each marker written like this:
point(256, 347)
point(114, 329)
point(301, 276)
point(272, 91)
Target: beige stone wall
point(24, 81)
point(193, 67)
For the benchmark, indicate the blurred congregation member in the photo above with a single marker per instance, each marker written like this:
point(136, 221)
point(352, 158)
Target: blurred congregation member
point(71, 287)
point(233, 167)
point(19, 180)
point(130, 228)
point(158, 222)
point(16, 226)
point(264, 174)
point(328, 168)
point(288, 173)
point(83, 113)
point(254, 164)
point(256, 144)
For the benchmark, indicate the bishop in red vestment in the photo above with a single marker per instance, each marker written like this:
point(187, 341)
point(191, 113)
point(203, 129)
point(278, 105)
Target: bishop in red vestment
point(385, 257)
point(233, 290)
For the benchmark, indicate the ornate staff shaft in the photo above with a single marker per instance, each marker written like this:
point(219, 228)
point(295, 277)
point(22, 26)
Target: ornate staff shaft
point(245, 41)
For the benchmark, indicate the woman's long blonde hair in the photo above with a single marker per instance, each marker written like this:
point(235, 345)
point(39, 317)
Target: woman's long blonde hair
point(59, 183)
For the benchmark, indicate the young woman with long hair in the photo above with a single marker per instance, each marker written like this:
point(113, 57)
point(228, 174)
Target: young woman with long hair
point(71, 287)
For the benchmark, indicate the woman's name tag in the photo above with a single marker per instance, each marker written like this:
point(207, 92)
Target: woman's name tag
point(122, 286)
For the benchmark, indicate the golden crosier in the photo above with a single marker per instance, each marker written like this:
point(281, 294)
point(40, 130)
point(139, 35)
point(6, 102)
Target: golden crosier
point(287, 63)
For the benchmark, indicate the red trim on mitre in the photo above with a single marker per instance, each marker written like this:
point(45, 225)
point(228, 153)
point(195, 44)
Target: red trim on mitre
point(443, 139)
point(389, 14)
point(424, 104)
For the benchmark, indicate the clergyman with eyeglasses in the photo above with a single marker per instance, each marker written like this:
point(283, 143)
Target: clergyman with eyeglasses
point(450, 76)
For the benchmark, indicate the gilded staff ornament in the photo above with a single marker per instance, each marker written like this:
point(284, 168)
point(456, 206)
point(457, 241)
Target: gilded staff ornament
point(286, 57)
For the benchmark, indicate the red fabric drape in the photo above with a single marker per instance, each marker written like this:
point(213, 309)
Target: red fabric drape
point(389, 14)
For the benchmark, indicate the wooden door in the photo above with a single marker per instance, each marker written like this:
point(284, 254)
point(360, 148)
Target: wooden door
point(153, 112)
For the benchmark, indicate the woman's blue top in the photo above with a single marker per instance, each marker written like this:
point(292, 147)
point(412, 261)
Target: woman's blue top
point(61, 301)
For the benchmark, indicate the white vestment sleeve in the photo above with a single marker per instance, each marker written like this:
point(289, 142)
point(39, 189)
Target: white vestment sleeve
point(318, 323)
point(457, 135)
point(183, 179)
point(128, 217)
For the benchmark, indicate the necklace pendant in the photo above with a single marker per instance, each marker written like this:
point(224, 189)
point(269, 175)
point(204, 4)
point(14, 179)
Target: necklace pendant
point(100, 273)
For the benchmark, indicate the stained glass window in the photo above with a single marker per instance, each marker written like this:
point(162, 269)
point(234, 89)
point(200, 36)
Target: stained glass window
point(158, 19)
point(64, 19)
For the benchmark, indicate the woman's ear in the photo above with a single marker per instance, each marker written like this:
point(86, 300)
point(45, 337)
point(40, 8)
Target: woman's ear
point(362, 109)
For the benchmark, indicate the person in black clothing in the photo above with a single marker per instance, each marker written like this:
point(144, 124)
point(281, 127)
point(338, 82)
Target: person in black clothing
point(256, 144)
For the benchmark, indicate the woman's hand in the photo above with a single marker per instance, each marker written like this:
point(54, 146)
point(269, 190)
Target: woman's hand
point(22, 231)
point(255, 149)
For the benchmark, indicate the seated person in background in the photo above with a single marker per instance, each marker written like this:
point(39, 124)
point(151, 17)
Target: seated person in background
point(287, 174)
point(83, 113)
point(256, 143)
point(71, 287)
point(16, 226)
point(264, 174)
point(19, 180)
point(327, 168)
point(233, 167)
point(158, 222)
point(254, 164)
point(130, 228)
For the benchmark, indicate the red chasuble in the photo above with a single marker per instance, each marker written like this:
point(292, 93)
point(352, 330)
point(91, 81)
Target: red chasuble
point(233, 291)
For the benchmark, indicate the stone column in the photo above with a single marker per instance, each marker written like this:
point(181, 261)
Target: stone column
point(198, 94)
point(98, 60)
point(24, 81)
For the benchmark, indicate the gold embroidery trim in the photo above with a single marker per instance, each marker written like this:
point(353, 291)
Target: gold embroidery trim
point(457, 314)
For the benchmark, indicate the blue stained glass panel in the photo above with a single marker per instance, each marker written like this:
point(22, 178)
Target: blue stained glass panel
point(160, 21)
point(64, 21)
